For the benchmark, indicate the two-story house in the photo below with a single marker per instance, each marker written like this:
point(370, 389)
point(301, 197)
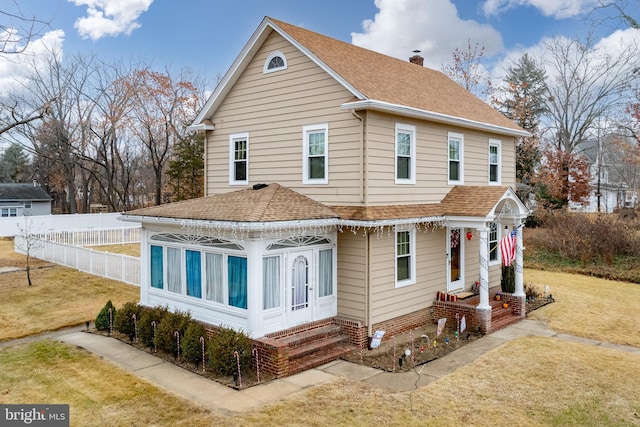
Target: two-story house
point(343, 187)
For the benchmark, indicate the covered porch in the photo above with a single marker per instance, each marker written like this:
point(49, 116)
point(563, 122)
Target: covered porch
point(491, 222)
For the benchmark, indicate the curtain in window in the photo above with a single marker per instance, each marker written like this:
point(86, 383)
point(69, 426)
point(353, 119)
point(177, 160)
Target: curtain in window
point(213, 265)
point(271, 282)
point(157, 280)
point(326, 272)
point(237, 278)
point(194, 274)
point(299, 294)
point(173, 270)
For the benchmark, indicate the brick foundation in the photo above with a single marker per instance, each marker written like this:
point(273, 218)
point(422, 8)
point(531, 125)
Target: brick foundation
point(404, 323)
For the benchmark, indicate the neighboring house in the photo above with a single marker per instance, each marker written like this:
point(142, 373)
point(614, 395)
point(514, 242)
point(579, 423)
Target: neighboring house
point(341, 187)
point(610, 189)
point(23, 200)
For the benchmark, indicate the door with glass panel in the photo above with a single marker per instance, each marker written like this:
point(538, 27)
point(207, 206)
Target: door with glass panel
point(300, 287)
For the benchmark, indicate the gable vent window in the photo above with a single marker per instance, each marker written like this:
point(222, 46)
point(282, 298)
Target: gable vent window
point(275, 62)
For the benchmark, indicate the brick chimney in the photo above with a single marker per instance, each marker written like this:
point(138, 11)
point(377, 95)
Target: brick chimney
point(417, 59)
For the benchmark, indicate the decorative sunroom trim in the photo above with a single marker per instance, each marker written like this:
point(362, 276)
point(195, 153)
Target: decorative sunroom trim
point(299, 227)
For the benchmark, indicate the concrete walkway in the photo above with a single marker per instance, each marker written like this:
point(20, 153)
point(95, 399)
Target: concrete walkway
point(216, 396)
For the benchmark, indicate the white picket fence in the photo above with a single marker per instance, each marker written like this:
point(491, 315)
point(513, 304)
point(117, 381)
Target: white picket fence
point(123, 268)
point(93, 237)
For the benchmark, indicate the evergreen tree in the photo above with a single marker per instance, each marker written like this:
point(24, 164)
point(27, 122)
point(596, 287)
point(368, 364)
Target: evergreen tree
point(14, 165)
point(186, 170)
point(523, 102)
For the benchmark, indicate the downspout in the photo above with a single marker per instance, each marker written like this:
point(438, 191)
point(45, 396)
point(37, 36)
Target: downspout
point(367, 246)
point(206, 162)
point(363, 169)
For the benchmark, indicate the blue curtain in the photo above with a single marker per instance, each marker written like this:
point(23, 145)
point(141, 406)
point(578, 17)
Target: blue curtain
point(157, 280)
point(194, 274)
point(237, 275)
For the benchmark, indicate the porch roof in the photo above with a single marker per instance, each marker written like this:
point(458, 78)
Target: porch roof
point(472, 200)
point(270, 203)
point(275, 203)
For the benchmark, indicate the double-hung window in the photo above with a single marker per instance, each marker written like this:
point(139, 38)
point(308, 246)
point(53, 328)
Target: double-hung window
point(493, 242)
point(405, 154)
point(239, 159)
point(315, 166)
point(494, 161)
point(405, 258)
point(455, 149)
point(9, 212)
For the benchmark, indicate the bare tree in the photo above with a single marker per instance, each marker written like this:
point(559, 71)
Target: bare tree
point(585, 85)
point(17, 29)
point(616, 11)
point(27, 243)
point(466, 69)
point(163, 106)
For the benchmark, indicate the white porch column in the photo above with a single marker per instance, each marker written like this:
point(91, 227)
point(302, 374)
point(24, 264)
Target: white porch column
point(518, 267)
point(254, 286)
point(484, 269)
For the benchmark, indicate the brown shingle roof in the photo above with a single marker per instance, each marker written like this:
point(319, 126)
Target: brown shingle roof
point(383, 78)
point(271, 203)
point(277, 203)
point(466, 200)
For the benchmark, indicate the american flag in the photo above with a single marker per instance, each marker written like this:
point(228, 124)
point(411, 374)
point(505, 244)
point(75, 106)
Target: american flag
point(508, 248)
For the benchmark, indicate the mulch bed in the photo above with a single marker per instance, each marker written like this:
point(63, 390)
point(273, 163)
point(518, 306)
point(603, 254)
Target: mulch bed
point(388, 357)
point(390, 354)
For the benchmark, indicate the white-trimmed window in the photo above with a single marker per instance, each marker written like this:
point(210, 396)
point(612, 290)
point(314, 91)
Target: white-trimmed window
point(315, 166)
point(494, 161)
point(271, 282)
point(275, 62)
point(405, 154)
point(9, 212)
point(27, 205)
point(405, 258)
point(493, 243)
point(239, 159)
point(455, 154)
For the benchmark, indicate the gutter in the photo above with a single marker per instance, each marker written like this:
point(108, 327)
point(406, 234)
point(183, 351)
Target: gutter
point(279, 225)
point(402, 110)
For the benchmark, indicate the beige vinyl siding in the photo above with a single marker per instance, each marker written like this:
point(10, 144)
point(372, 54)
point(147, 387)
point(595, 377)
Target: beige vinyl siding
point(352, 266)
point(273, 108)
point(431, 160)
point(387, 301)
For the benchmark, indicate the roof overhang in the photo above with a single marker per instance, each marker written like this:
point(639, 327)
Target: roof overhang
point(371, 104)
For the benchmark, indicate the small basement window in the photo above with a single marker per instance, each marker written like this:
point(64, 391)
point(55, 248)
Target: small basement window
point(275, 62)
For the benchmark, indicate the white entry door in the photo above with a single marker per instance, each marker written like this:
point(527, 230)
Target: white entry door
point(300, 287)
point(455, 260)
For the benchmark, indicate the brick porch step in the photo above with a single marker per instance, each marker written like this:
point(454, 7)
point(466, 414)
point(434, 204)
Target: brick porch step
point(503, 322)
point(314, 347)
point(301, 338)
point(318, 358)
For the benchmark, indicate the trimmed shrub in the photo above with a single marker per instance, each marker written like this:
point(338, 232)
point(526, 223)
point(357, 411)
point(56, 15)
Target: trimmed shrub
point(190, 344)
point(221, 351)
point(124, 323)
point(145, 328)
point(171, 323)
point(103, 322)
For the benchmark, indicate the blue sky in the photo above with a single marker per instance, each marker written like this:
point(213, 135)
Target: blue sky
point(207, 35)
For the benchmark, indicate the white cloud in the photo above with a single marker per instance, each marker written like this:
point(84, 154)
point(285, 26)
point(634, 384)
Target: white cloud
point(433, 27)
point(559, 9)
point(109, 17)
point(15, 68)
